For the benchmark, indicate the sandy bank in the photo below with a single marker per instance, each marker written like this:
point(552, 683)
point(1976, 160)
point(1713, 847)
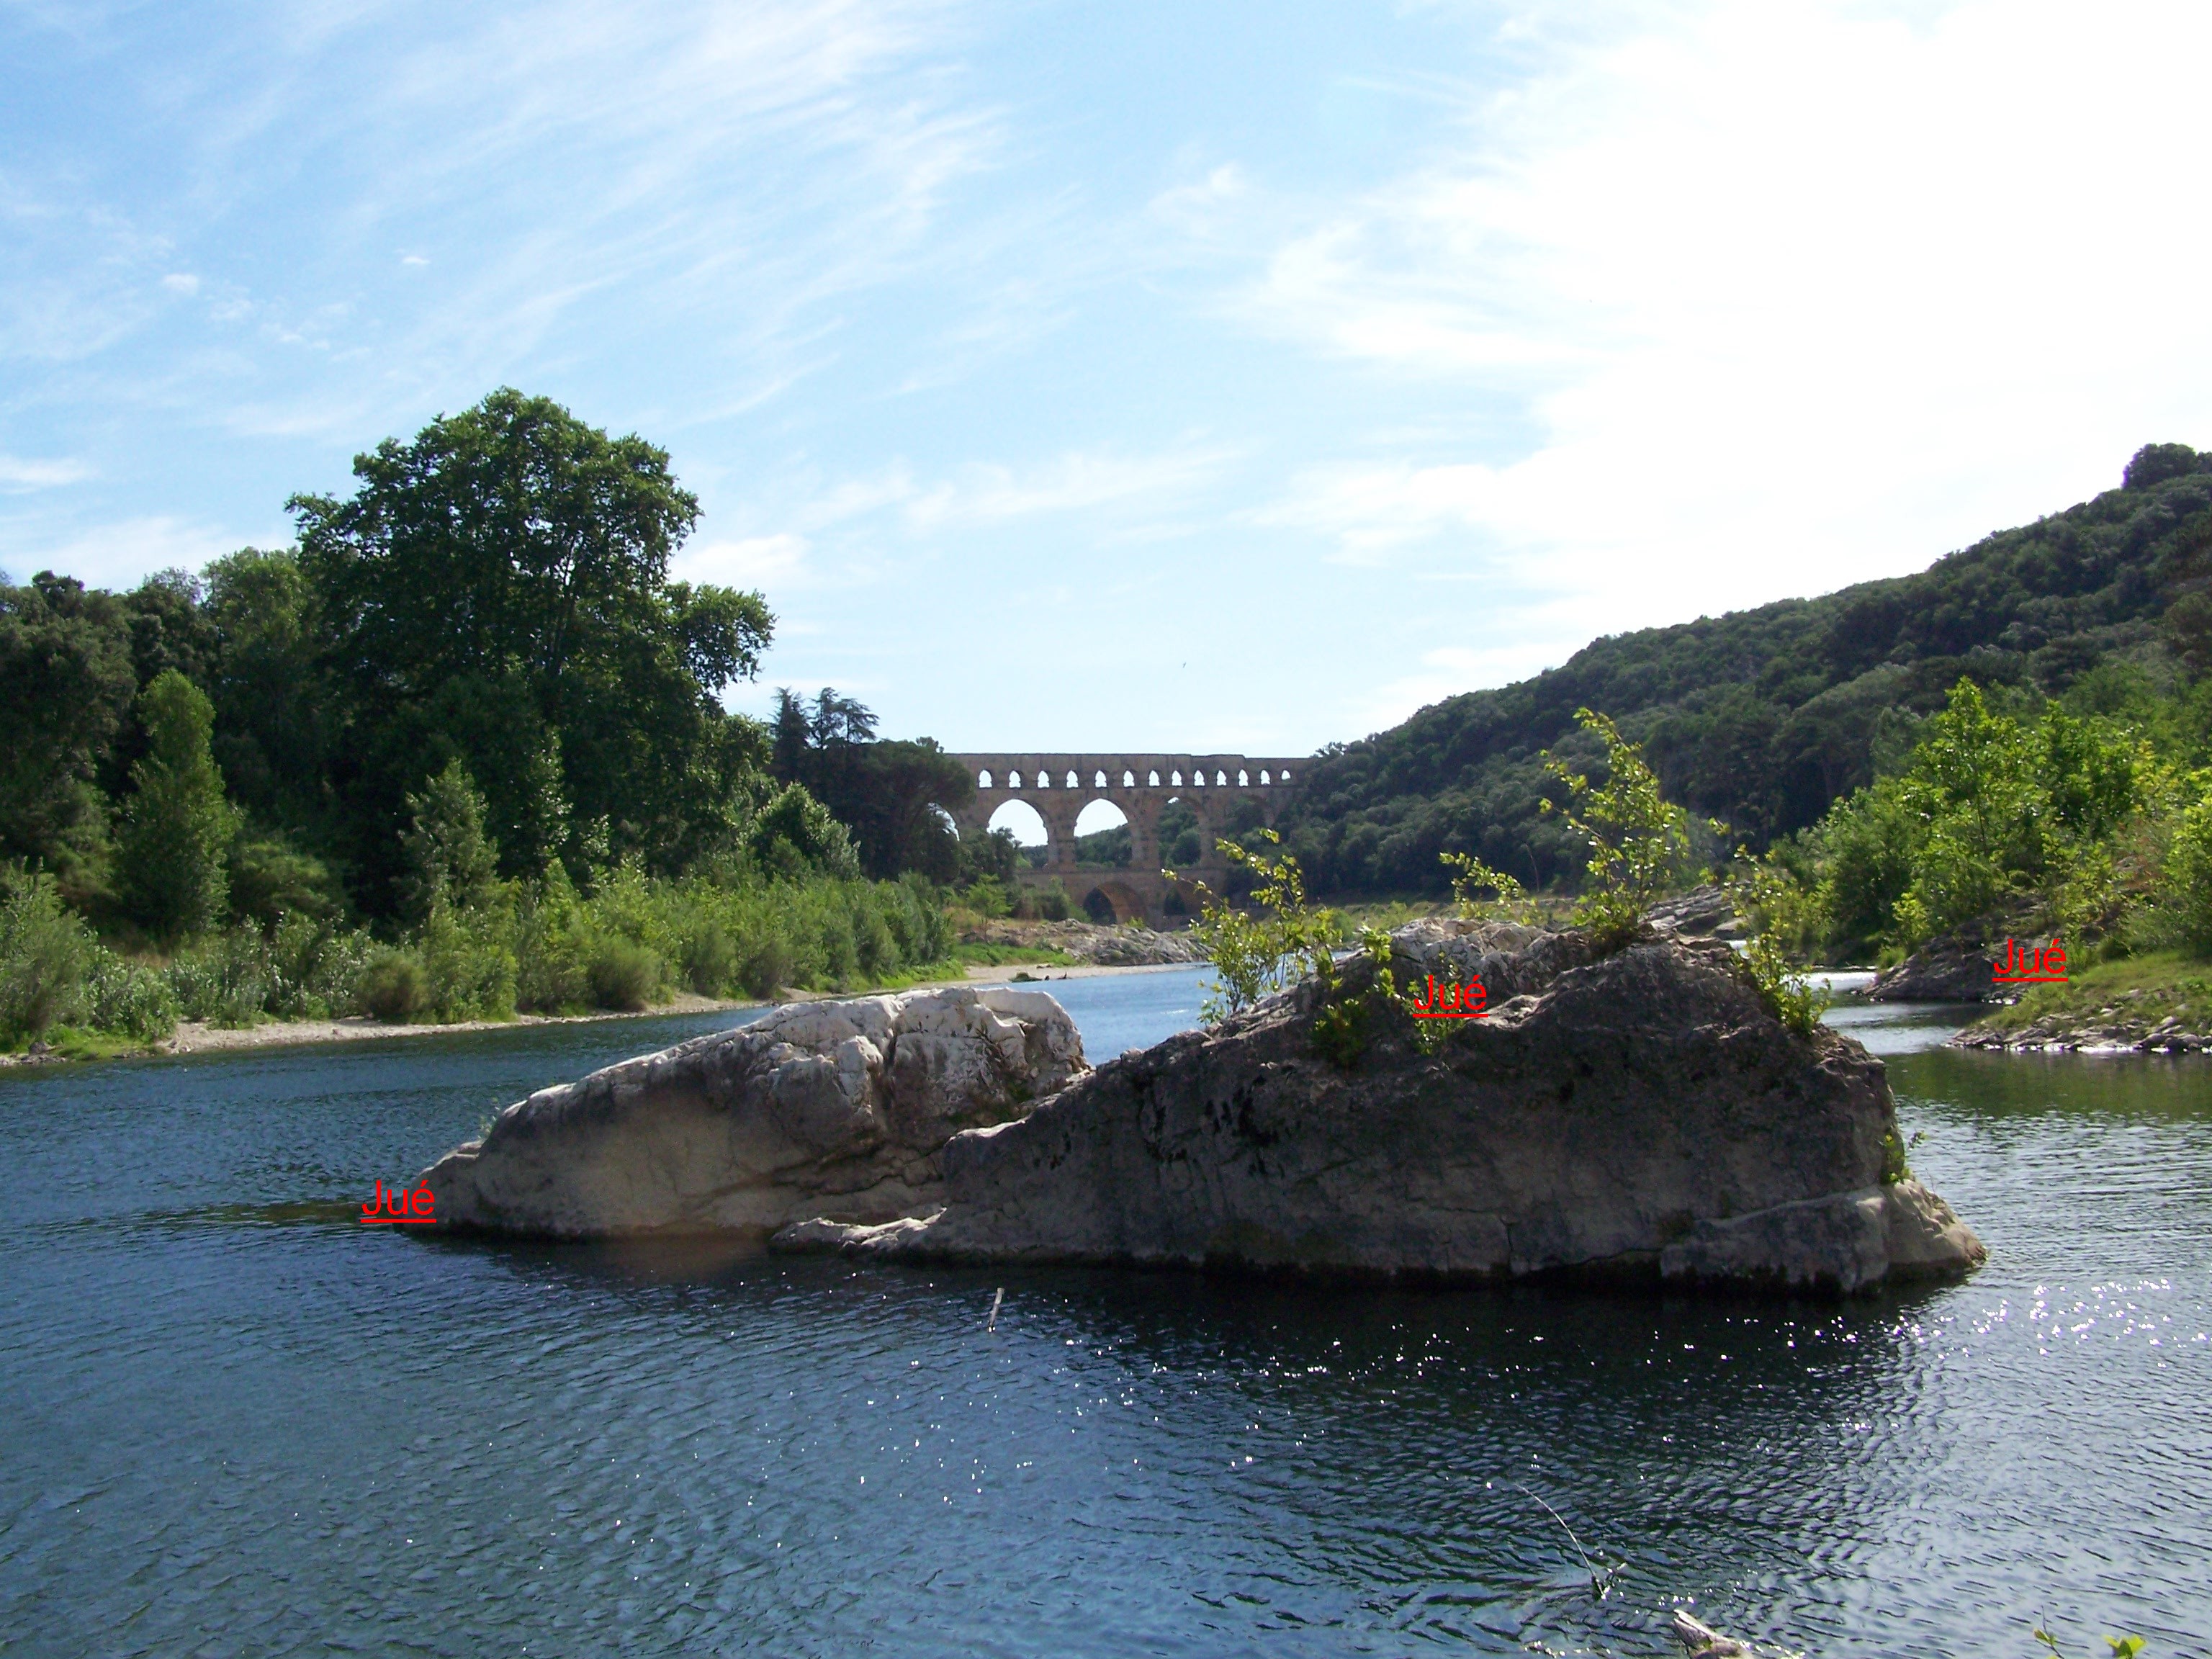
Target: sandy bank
point(194, 1037)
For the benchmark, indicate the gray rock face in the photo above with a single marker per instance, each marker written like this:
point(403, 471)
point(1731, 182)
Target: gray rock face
point(1639, 1116)
point(1953, 968)
point(1701, 913)
point(826, 1109)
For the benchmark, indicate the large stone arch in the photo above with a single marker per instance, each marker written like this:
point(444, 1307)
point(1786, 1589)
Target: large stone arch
point(1129, 900)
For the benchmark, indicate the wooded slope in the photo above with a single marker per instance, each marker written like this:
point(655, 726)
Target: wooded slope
point(1763, 718)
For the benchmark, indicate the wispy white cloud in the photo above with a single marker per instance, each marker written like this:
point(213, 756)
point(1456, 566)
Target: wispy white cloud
point(18, 473)
point(1074, 482)
point(117, 553)
point(777, 560)
point(565, 165)
point(1793, 291)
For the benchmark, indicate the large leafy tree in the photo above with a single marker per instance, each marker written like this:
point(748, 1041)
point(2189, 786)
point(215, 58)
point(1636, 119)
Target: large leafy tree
point(273, 700)
point(496, 591)
point(66, 684)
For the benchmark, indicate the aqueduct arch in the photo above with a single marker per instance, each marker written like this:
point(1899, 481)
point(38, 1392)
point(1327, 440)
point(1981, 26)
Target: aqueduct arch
point(1059, 786)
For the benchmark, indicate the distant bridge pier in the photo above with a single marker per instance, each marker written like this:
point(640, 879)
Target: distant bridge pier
point(1059, 786)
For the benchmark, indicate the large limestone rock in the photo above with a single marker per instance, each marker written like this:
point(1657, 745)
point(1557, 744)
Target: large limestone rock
point(1639, 1115)
point(829, 1108)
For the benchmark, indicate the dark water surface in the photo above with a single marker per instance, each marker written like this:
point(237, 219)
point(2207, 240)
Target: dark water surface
point(237, 1422)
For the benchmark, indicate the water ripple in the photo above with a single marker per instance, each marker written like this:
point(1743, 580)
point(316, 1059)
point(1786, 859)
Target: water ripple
point(240, 1423)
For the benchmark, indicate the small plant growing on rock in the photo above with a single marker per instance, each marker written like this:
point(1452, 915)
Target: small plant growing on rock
point(1343, 1028)
point(1509, 901)
point(1781, 910)
point(1639, 841)
point(1286, 943)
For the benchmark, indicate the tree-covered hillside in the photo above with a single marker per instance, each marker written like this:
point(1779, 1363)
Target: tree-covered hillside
point(1763, 718)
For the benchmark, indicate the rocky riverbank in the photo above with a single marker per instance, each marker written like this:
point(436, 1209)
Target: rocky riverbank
point(1955, 968)
point(1637, 1116)
point(2150, 1005)
point(1087, 942)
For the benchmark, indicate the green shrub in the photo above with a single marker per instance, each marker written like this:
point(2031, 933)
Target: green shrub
point(552, 946)
point(468, 967)
point(392, 986)
point(223, 981)
point(794, 836)
point(768, 967)
point(987, 898)
point(1639, 841)
point(46, 950)
point(128, 997)
point(1784, 914)
point(2188, 900)
point(313, 969)
point(709, 960)
point(1052, 903)
point(1510, 902)
point(1254, 955)
point(623, 974)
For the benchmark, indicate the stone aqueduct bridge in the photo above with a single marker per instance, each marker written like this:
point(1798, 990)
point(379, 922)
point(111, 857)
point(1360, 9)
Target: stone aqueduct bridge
point(1060, 786)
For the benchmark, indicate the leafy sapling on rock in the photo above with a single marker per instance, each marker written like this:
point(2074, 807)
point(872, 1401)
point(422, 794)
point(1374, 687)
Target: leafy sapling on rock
point(1781, 910)
point(1639, 841)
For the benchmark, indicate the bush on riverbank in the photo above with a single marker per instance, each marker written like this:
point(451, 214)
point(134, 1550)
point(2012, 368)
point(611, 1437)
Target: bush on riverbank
point(536, 947)
point(2088, 818)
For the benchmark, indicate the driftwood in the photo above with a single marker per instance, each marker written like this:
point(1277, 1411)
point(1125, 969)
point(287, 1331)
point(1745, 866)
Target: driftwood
point(1704, 1641)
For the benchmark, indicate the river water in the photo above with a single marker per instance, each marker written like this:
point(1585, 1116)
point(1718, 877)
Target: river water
point(237, 1422)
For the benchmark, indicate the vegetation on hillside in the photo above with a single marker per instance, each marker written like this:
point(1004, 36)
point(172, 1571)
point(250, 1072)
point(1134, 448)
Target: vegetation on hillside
point(1763, 718)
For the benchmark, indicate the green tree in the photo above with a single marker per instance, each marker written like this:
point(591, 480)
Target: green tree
point(895, 797)
point(1639, 840)
point(274, 704)
point(66, 684)
point(794, 836)
point(1865, 850)
point(451, 861)
point(499, 587)
point(1971, 791)
point(177, 825)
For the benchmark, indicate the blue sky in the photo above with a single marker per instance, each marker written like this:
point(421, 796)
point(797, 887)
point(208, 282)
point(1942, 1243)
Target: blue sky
point(1124, 377)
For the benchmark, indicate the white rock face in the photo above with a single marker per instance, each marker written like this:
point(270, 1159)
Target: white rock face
point(826, 1109)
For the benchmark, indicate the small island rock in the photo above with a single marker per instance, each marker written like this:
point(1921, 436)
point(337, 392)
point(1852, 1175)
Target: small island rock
point(1636, 1115)
point(819, 1108)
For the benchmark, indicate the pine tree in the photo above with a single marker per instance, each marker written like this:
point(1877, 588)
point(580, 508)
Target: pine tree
point(177, 824)
point(450, 860)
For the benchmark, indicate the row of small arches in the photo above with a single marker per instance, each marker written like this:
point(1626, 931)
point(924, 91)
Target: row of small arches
point(1043, 780)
